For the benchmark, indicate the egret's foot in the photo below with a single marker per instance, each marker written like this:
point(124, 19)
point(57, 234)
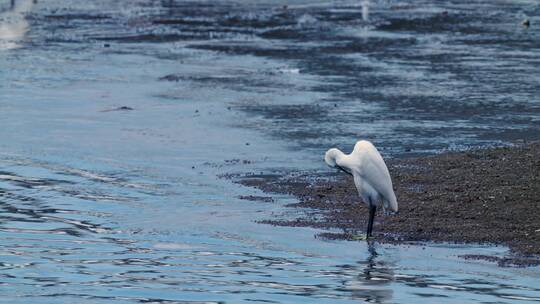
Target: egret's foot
point(359, 237)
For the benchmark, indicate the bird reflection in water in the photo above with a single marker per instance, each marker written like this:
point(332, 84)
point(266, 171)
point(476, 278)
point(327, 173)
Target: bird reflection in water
point(372, 284)
point(13, 24)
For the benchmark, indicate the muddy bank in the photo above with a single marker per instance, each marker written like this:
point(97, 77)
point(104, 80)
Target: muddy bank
point(479, 196)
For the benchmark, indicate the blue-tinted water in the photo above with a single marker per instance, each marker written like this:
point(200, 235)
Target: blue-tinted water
point(118, 117)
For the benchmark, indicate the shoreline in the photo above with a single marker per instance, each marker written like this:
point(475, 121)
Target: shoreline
point(483, 196)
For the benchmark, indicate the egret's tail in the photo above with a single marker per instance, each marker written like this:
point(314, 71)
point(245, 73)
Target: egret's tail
point(390, 202)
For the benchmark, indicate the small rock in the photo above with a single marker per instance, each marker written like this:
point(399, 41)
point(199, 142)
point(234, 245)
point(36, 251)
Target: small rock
point(170, 77)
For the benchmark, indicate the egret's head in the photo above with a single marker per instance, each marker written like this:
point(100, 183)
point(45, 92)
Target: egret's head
point(331, 155)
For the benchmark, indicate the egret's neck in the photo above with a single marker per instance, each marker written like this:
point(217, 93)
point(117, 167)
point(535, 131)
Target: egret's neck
point(342, 160)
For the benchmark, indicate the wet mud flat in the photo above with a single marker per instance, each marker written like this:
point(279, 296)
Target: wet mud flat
point(487, 196)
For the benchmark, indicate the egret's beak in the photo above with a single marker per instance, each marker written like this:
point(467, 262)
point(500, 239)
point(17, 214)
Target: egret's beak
point(341, 168)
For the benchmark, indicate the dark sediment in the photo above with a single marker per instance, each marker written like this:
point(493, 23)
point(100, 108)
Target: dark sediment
point(487, 196)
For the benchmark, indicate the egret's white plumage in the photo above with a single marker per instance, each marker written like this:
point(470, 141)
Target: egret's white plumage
point(371, 176)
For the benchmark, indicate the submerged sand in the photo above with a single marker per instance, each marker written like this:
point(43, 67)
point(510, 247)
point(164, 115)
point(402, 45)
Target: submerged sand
point(478, 196)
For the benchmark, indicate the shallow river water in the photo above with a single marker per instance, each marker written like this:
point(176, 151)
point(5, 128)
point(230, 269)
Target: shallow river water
point(118, 117)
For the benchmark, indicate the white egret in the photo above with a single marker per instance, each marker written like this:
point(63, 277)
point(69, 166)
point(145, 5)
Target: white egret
point(371, 176)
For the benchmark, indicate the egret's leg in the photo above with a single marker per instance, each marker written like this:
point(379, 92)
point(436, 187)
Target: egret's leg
point(372, 210)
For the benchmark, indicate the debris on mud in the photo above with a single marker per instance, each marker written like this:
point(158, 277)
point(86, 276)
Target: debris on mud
point(255, 198)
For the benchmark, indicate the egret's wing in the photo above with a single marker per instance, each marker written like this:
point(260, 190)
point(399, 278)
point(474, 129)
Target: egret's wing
point(372, 169)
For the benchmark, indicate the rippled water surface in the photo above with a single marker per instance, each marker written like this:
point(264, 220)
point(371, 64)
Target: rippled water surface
point(117, 117)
